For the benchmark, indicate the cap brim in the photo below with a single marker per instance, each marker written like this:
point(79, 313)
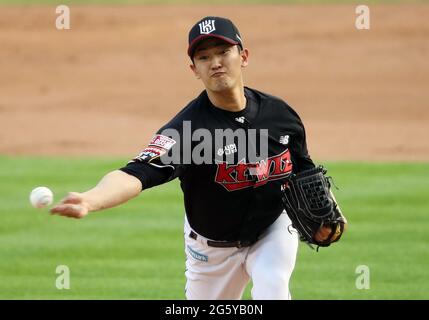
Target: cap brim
point(198, 39)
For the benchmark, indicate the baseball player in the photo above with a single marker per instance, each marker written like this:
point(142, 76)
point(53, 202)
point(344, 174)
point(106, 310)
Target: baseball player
point(235, 226)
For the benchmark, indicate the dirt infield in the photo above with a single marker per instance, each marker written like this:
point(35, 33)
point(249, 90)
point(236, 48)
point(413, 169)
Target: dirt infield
point(105, 86)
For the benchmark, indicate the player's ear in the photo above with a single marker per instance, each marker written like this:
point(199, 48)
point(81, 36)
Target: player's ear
point(244, 57)
point(194, 70)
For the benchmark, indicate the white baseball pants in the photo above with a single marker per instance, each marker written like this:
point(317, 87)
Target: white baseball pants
point(223, 273)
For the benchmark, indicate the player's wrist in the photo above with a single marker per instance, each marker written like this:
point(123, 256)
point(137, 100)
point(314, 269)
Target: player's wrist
point(90, 202)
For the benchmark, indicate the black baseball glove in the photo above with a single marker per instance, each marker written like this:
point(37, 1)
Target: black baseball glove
point(312, 208)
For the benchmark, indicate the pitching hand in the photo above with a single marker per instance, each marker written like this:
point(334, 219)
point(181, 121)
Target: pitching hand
point(324, 232)
point(72, 206)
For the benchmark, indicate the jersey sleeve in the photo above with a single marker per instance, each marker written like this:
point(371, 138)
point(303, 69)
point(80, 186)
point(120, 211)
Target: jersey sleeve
point(160, 161)
point(300, 156)
point(303, 160)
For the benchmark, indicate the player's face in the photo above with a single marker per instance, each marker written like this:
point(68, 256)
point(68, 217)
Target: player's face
point(219, 64)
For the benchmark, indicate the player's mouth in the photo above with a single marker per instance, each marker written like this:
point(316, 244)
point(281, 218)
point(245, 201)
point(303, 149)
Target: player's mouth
point(218, 74)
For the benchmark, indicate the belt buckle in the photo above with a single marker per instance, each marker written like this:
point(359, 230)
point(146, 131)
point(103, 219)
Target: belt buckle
point(245, 243)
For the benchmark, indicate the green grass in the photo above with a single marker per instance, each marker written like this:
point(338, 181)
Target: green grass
point(136, 251)
point(205, 2)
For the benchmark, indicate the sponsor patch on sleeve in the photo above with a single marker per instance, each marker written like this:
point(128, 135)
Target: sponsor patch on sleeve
point(162, 142)
point(158, 146)
point(149, 154)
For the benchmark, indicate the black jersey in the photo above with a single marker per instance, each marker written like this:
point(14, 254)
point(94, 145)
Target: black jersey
point(229, 194)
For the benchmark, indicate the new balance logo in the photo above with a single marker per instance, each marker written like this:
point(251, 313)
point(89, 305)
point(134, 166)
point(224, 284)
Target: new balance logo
point(240, 119)
point(207, 26)
point(284, 139)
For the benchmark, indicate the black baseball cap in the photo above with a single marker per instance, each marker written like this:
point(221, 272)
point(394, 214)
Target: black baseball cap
point(213, 27)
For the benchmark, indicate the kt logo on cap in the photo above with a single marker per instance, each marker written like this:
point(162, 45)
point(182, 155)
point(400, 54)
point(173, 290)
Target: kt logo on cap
point(207, 26)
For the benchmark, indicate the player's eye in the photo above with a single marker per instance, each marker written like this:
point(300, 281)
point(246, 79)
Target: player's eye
point(202, 57)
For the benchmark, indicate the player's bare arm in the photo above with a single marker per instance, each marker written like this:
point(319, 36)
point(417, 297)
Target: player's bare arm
point(114, 188)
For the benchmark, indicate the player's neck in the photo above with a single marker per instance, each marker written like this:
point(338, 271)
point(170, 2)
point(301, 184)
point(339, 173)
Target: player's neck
point(231, 100)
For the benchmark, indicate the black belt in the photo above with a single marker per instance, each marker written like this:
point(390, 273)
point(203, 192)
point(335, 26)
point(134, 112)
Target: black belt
point(224, 244)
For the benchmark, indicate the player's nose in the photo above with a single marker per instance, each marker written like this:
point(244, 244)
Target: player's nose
point(216, 63)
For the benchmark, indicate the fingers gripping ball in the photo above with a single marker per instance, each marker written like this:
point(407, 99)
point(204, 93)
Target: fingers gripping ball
point(41, 197)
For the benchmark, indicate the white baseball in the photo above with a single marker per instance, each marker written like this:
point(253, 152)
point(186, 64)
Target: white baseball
point(41, 197)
